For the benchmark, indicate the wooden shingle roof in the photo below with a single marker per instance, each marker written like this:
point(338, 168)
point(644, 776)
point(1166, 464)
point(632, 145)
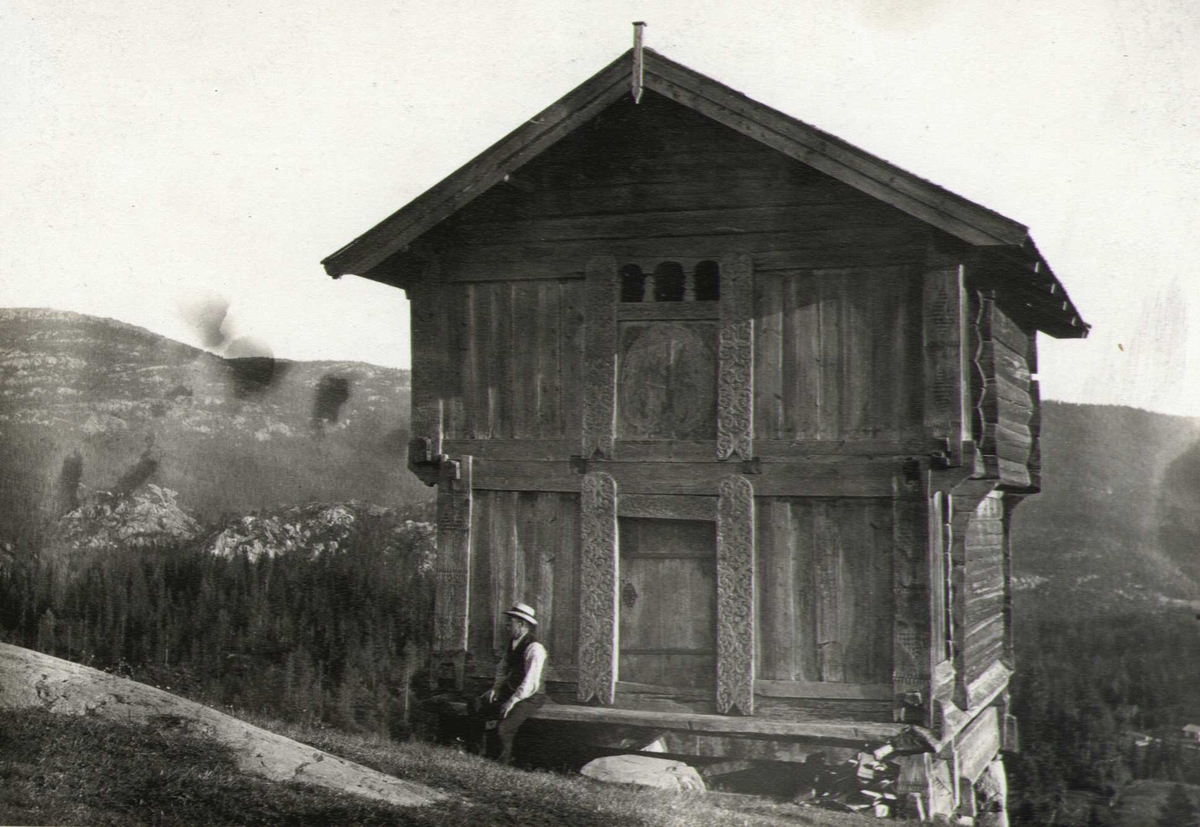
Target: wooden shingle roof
point(1008, 244)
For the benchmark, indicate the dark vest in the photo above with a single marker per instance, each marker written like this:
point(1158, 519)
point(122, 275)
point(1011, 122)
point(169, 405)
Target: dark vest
point(514, 664)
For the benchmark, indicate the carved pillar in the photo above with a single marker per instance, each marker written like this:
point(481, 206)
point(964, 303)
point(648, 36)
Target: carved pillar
point(598, 589)
point(735, 595)
point(600, 357)
point(735, 373)
point(452, 576)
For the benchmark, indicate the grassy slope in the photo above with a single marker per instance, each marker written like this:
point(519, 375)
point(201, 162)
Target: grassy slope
point(58, 770)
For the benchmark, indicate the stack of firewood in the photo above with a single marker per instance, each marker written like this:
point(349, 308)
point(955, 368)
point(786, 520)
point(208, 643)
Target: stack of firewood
point(865, 783)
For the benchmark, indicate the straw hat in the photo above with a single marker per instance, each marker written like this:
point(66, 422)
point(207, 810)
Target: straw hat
point(522, 612)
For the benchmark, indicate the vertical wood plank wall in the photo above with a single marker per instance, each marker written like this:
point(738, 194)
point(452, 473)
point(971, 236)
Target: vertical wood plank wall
point(824, 590)
point(526, 547)
point(837, 355)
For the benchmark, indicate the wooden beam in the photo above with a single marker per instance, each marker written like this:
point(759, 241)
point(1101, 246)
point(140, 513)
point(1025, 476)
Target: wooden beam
point(735, 596)
point(452, 576)
point(818, 477)
point(667, 507)
point(851, 733)
point(824, 691)
point(598, 627)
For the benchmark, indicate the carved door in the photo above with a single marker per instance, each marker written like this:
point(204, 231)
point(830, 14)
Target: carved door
point(667, 602)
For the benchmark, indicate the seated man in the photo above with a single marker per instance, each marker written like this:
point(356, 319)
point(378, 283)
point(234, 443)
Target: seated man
point(517, 691)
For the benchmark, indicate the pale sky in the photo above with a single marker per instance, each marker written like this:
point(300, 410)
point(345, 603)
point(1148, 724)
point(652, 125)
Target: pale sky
point(159, 154)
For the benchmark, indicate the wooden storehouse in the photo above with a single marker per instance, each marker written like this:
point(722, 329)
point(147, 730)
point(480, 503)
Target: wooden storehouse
point(742, 410)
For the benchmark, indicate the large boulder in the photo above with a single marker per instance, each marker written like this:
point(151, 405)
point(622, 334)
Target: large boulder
point(662, 773)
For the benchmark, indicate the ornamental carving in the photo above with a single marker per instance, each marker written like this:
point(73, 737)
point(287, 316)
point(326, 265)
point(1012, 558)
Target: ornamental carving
point(735, 596)
point(600, 357)
point(598, 589)
point(735, 378)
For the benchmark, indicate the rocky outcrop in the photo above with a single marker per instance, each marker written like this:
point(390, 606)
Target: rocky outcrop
point(30, 679)
point(322, 528)
point(645, 771)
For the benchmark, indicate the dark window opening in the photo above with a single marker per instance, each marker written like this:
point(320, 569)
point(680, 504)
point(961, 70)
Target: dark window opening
point(708, 281)
point(670, 282)
point(633, 283)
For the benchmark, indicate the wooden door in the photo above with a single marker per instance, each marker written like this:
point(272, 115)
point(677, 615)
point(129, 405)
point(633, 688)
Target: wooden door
point(667, 602)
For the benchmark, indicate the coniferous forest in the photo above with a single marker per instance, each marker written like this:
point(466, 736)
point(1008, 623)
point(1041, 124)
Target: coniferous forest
point(328, 638)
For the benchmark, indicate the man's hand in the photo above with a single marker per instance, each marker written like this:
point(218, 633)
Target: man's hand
point(506, 708)
point(490, 695)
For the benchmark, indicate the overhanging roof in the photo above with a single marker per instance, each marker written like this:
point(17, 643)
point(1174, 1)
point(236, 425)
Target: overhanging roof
point(959, 217)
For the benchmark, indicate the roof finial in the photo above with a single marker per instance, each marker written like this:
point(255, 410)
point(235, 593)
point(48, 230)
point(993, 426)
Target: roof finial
point(636, 80)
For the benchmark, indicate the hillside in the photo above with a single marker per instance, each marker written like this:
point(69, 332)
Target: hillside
point(1117, 524)
point(91, 404)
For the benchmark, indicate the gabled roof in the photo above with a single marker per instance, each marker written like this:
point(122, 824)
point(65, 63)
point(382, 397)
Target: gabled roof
point(1008, 243)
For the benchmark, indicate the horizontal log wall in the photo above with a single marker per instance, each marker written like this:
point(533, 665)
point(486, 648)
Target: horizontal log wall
point(837, 355)
point(824, 590)
point(1007, 418)
point(986, 587)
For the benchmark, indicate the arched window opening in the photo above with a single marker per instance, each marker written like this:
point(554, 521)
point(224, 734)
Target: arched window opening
point(707, 278)
point(669, 282)
point(633, 283)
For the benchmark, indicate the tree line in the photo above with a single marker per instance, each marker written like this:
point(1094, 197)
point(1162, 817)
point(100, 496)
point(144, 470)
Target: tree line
point(330, 639)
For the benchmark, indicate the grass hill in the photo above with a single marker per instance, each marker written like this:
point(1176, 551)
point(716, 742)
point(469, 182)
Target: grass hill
point(60, 769)
point(90, 404)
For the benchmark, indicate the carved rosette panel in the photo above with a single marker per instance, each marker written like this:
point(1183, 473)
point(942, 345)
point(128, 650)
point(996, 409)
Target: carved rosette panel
point(452, 575)
point(598, 589)
point(735, 352)
point(666, 383)
point(735, 595)
point(600, 357)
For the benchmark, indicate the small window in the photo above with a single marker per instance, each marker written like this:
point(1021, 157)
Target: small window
point(668, 282)
point(633, 283)
point(671, 282)
point(707, 279)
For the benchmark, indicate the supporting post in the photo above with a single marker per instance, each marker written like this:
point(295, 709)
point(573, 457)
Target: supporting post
point(598, 629)
point(735, 595)
point(452, 577)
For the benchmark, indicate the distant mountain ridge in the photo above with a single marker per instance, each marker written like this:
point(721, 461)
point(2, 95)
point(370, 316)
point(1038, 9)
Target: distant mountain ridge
point(84, 401)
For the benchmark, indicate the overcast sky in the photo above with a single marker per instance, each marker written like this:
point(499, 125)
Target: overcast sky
point(161, 155)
